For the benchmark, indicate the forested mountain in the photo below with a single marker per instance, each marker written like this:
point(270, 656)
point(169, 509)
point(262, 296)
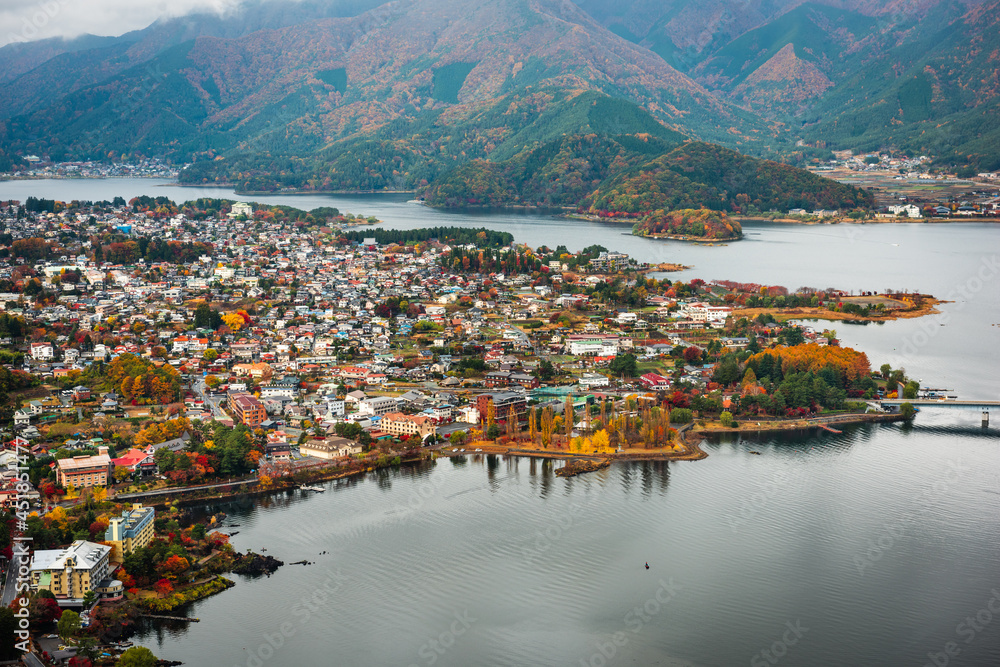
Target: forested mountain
point(354, 94)
point(636, 175)
point(413, 77)
point(939, 95)
point(697, 174)
point(559, 173)
point(862, 74)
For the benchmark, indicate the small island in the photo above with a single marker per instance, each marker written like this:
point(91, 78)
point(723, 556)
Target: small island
point(689, 225)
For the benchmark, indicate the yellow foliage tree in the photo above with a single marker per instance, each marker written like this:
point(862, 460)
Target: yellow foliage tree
point(601, 441)
point(234, 321)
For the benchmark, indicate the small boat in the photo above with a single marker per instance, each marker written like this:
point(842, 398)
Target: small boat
point(755, 452)
point(306, 487)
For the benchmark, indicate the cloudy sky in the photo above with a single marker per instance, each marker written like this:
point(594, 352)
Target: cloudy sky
point(28, 20)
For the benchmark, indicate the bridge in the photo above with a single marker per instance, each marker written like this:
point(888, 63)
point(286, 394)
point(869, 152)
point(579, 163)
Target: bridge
point(985, 406)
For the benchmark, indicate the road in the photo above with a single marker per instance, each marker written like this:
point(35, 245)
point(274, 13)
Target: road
point(200, 390)
point(182, 489)
point(9, 584)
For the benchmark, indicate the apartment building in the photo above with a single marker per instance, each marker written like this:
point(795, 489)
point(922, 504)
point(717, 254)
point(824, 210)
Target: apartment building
point(246, 409)
point(82, 471)
point(397, 423)
point(71, 573)
point(130, 531)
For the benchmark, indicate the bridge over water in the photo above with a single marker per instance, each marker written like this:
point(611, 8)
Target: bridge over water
point(985, 406)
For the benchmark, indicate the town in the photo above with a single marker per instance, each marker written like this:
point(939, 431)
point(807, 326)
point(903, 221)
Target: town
point(154, 351)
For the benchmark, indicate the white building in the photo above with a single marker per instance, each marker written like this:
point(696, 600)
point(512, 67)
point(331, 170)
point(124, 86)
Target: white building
point(72, 572)
point(909, 210)
point(377, 405)
point(42, 351)
point(593, 380)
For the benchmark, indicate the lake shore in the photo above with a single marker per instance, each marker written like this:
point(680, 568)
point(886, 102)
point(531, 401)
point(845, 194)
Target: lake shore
point(927, 306)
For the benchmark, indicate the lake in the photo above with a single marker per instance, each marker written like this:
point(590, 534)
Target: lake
point(874, 547)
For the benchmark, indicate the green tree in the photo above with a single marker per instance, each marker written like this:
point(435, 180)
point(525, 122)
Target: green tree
point(8, 624)
point(137, 656)
point(624, 365)
point(910, 389)
point(726, 418)
point(681, 416)
point(68, 625)
point(907, 410)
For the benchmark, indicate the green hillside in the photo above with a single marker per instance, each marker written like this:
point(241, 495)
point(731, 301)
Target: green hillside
point(560, 173)
point(698, 175)
point(818, 33)
point(410, 153)
point(945, 102)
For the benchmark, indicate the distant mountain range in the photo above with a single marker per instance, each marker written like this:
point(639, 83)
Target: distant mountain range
point(360, 95)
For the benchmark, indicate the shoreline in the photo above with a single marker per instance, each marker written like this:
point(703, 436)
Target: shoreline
point(840, 220)
point(187, 497)
point(772, 426)
point(689, 438)
point(927, 307)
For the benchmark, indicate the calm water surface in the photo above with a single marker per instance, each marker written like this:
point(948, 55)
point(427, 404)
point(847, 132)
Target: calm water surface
point(877, 545)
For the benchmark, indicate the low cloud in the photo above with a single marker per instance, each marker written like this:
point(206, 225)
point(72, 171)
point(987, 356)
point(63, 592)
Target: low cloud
point(30, 20)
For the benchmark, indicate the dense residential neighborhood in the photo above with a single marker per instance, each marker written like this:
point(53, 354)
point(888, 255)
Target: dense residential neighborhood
point(152, 350)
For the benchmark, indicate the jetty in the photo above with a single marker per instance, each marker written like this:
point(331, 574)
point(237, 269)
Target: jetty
point(173, 618)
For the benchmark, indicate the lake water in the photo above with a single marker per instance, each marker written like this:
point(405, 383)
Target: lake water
point(874, 547)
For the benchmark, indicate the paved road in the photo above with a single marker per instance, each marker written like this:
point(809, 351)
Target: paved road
point(161, 492)
point(213, 403)
point(31, 660)
point(9, 584)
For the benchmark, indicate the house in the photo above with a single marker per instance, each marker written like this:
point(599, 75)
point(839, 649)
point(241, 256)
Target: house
point(278, 451)
point(355, 397)
point(468, 414)
point(22, 418)
point(175, 445)
point(655, 382)
point(398, 423)
point(42, 351)
point(82, 471)
point(71, 573)
point(137, 461)
point(130, 531)
point(332, 447)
